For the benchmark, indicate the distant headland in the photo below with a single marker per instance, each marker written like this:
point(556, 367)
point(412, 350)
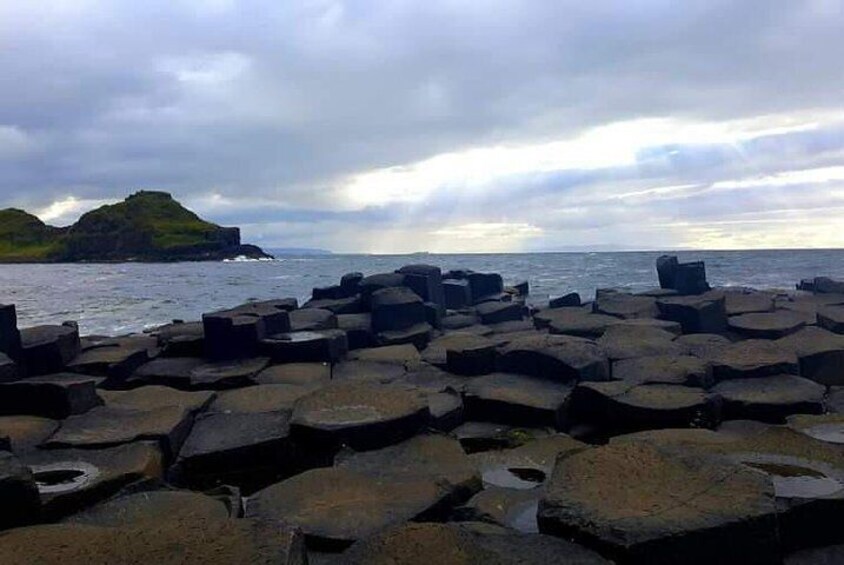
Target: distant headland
point(148, 226)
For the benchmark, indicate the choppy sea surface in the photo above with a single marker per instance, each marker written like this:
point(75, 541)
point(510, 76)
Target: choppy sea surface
point(116, 299)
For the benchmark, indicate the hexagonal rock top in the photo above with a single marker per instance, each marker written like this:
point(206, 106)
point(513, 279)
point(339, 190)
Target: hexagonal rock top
point(360, 415)
point(639, 504)
point(336, 507)
point(555, 357)
point(767, 325)
point(196, 541)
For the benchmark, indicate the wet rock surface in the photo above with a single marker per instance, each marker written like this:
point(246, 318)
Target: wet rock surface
point(429, 417)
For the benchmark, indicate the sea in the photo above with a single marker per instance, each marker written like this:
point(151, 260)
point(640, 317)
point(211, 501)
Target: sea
point(123, 298)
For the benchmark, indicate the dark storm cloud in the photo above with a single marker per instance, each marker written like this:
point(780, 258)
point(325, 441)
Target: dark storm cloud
point(271, 104)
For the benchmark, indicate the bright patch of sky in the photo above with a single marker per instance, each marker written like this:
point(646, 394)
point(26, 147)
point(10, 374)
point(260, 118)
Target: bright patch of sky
point(509, 125)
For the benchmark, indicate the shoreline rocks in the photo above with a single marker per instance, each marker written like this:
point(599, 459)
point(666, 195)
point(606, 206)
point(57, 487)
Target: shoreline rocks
point(428, 417)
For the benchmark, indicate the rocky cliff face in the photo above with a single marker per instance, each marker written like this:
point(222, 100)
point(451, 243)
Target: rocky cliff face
point(147, 226)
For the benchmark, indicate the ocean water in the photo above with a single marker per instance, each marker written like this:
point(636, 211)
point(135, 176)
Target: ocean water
point(115, 299)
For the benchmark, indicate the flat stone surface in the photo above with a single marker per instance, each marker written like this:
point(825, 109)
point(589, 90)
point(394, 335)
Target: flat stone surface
point(696, 314)
point(703, 346)
point(152, 507)
point(106, 427)
point(806, 471)
point(767, 325)
point(223, 375)
point(832, 318)
point(183, 339)
point(436, 457)
point(465, 544)
point(498, 312)
point(305, 374)
point(48, 349)
point(666, 369)
point(626, 342)
point(71, 479)
point(335, 507)
point(745, 301)
point(821, 354)
point(754, 358)
point(554, 357)
point(52, 396)
point(618, 406)
point(323, 346)
point(116, 358)
point(667, 506)
point(470, 355)
point(517, 400)
point(312, 319)
point(26, 432)
point(154, 397)
point(360, 415)
point(399, 354)
point(627, 306)
point(188, 542)
point(367, 371)
point(666, 325)
point(243, 449)
point(260, 398)
point(174, 372)
point(770, 399)
point(417, 335)
point(573, 321)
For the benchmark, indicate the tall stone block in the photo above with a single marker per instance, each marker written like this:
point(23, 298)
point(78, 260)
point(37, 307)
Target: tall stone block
point(10, 337)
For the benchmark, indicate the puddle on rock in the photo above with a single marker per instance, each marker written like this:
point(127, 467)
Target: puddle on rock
point(797, 481)
point(522, 478)
point(830, 433)
point(63, 477)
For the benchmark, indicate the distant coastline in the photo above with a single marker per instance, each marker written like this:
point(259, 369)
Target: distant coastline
point(147, 227)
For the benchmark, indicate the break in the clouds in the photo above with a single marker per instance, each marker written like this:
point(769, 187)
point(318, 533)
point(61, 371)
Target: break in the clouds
point(443, 125)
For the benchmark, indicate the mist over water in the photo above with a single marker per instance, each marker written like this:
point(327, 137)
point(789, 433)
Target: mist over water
point(115, 299)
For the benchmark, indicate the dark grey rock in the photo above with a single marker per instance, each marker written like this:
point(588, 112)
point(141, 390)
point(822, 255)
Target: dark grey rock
point(571, 299)
point(621, 407)
point(554, 357)
point(248, 450)
point(48, 349)
point(52, 396)
point(358, 328)
point(770, 399)
point(499, 312)
point(311, 319)
point(832, 318)
point(668, 507)
point(821, 354)
point(517, 400)
point(458, 294)
point(754, 358)
point(306, 346)
point(360, 415)
point(766, 325)
point(396, 308)
point(21, 504)
point(696, 314)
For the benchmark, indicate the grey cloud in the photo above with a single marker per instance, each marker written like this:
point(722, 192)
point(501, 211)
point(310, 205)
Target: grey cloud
point(325, 89)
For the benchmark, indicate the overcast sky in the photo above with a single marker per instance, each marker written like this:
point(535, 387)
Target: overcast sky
point(395, 126)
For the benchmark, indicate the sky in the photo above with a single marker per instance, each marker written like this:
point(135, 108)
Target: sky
point(391, 126)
